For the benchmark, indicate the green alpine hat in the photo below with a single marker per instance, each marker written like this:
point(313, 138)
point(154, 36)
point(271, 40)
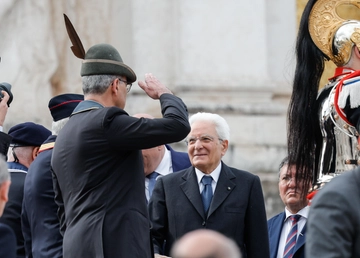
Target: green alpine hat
point(105, 59)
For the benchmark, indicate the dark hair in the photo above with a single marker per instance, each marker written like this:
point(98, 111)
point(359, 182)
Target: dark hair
point(303, 121)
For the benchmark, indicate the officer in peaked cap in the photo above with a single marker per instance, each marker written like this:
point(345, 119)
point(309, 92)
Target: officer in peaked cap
point(40, 223)
point(104, 155)
point(26, 140)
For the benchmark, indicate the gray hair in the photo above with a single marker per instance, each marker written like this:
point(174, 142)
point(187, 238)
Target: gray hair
point(58, 125)
point(221, 126)
point(97, 84)
point(4, 172)
point(285, 161)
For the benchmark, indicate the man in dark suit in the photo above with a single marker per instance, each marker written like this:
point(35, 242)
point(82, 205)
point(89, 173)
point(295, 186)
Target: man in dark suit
point(97, 162)
point(40, 223)
point(334, 224)
point(160, 161)
point(26, 140)
point(209, 195)
point(7, 235)
point(293, 194)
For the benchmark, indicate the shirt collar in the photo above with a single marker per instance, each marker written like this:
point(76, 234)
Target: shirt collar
point(86, 105)
point(303, 212)
point(165, 166)
point(15, 165)
point(215, 174)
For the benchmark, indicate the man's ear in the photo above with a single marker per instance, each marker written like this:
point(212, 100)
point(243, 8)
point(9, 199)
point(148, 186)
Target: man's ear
point(35, 152)
point(4, 190)
point(114, 87)
point(225, 146)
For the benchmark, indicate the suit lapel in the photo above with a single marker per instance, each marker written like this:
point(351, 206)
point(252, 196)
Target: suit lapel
point(190, 188)
point(274, 233)
point(301, 239)
point(224, 187)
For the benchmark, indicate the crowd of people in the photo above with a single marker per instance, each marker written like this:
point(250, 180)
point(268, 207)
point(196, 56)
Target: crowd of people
point(103, 183)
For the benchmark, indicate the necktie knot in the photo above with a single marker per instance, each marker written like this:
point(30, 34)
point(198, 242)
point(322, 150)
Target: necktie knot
point(295, 218)
point(153, 175)
point(206, 180)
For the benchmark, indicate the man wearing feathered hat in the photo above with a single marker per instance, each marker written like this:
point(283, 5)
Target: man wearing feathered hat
point(97, 159)
point(324, 127)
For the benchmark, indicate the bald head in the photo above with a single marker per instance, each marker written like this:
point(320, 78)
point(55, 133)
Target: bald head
point(205, 243)
point(152, 156)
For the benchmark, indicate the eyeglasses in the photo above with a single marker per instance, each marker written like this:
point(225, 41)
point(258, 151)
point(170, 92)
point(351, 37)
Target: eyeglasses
point(203, 139)
point(128, 85)
point(287, 179)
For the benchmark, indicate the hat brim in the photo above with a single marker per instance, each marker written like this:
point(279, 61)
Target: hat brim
point(111, 67)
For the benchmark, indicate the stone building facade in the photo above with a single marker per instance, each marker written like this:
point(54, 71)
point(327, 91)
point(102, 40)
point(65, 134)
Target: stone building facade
point(234, 58)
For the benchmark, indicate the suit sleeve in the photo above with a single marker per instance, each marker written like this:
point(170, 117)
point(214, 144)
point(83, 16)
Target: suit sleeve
point(158, 216)
point(25, 226)
point(256, 233)
point(330, 225)
point(59, 201)
point(130, 133)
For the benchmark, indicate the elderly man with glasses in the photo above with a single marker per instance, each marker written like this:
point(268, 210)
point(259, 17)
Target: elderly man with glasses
point(209, 195)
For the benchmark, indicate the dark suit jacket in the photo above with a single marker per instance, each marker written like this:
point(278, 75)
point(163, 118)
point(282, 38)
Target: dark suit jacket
point(7, 242)
point(40, 223)
point(333, 223)
point(275, 225)
point(237, 210)
point(12, 211)
point(179, 160)
point(100, 177)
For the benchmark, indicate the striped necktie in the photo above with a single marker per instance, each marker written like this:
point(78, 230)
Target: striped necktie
point(291, 238)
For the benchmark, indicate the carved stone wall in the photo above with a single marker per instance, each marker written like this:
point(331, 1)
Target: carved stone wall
point(234, 58)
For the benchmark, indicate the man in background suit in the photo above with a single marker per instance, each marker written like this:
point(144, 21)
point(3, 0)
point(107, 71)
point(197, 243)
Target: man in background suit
point(40, 223)
point(7, 235)
point(160, 161)
point(209, 195)
point(26, 140)
point(293, 196)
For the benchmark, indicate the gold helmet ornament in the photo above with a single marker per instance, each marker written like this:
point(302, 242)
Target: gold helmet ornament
point(333, 35)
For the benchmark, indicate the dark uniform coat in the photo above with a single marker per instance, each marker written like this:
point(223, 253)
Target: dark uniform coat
point(12, 211)
point(7, 242)
point(237, 210)
point(99, 177)
point(40, 223)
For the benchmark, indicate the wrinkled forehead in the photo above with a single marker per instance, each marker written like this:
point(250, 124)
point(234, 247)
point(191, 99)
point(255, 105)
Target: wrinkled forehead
point(202, 128)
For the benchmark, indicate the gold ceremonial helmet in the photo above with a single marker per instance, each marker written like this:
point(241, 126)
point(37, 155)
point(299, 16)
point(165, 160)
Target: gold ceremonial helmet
point(328, 29)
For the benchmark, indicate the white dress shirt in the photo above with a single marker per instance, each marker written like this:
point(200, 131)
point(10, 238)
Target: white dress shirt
point(215, 176)
point(164, 168)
